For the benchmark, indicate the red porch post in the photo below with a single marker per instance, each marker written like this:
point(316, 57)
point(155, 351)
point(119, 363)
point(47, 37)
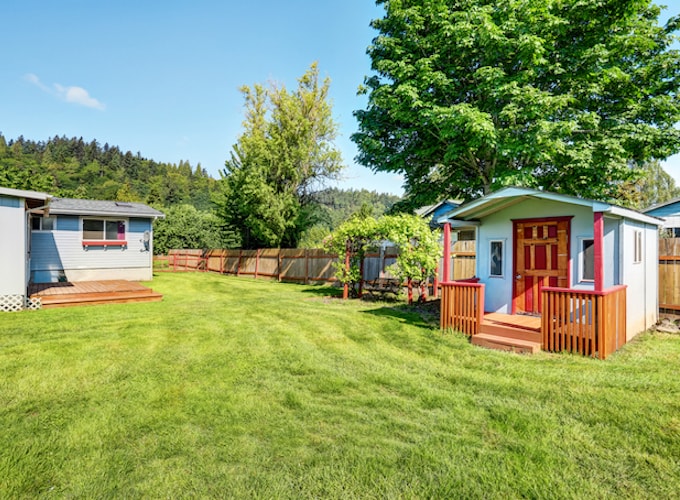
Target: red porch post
point(446, 272)
point(598, 250)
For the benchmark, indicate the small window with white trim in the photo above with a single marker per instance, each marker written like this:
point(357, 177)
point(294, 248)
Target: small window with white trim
point(496, 258)
point(637, 250)
point(587, 259)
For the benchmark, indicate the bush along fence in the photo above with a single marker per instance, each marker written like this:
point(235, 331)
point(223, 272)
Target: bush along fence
point(308, 266)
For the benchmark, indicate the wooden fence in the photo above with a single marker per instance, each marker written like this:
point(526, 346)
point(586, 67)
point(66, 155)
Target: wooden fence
point(292, 265)
point(299, 265)
point(669, 274)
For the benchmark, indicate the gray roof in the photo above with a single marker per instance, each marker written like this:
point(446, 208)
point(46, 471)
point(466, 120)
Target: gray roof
point(70, 206)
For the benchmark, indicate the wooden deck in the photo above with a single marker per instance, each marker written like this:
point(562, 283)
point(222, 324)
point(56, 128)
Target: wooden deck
point(91, 293)
point(510, 332)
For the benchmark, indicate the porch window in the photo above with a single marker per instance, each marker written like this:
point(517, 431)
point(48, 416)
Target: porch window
point(43, 223)
point(587, 259)
point(466, 235)
point(496, 258)
point(104, 231)
point(637, 251)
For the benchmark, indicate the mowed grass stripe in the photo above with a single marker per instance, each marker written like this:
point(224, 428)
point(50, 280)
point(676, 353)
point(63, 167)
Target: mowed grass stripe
point(233, 387)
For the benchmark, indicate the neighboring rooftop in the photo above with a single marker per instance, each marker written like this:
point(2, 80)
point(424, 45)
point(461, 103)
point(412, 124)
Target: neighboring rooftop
point(665, 208)
point(429, 210)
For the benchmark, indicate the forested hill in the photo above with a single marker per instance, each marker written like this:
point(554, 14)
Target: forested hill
point(73, 168)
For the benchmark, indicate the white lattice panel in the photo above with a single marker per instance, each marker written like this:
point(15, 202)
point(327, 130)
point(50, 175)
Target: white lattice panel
point(33, 304)
point(12, 303)
point(15, 303)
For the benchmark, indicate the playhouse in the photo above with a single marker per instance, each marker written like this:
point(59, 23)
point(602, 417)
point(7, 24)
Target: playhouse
point(582, 272)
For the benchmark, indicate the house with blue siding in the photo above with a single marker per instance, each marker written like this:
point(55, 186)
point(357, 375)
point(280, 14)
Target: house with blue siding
point(87, 240)
point(49, 240)
point(669, 212)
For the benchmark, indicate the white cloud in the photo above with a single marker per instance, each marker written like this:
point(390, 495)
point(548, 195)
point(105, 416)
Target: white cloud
point(73, 94)
point(78, 95)
point(30, 77)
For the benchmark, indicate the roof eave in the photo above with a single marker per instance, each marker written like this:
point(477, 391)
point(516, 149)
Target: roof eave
point(22, 193)
point(104, 213)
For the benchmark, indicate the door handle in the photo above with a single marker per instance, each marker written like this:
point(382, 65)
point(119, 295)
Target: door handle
point(518, 277)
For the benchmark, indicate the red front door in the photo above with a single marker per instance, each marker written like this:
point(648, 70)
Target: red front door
point(541, 259)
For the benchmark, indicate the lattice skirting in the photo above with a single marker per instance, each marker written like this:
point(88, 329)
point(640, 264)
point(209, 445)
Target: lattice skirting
point(14, 303)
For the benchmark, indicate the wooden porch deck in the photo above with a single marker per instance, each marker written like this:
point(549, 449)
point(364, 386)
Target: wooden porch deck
point(91, 293)
point(509, 332)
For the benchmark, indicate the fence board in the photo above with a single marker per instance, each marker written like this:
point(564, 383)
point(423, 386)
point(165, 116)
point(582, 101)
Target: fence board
point(669, 273)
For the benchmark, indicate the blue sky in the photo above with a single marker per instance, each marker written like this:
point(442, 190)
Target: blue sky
point(162, 78)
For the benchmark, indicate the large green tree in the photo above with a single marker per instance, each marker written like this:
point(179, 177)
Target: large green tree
point(186, 227)
point(653, 186)
point(283, 156)
point(472, 95)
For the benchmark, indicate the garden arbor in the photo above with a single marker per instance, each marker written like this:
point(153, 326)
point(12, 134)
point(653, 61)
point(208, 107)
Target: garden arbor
point(418, 248)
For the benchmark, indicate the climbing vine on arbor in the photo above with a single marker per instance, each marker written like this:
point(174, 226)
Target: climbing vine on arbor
point(418, 247)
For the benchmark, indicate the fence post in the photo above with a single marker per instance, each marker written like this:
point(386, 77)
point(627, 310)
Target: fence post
point(306, 266)
point(238, 264)
point(257, 261)
point(345, 289)
point(435, 284)
point(361, 276)
point(279, 261)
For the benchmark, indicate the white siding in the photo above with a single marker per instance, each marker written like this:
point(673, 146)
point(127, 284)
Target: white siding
point(641, 278)
point(13, 252)
point(498, 294)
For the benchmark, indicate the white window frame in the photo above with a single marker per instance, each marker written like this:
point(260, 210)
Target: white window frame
point(638, 249)
point(104, 220)
point(582, 259)
point(503, 253)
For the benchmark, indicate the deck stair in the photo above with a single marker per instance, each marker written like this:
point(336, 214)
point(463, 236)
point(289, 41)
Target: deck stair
point(507, 332)
point(93, 293)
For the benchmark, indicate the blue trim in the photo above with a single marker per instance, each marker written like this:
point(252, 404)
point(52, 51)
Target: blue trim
point(139, 225)
point(68, 223)
point(11, 202)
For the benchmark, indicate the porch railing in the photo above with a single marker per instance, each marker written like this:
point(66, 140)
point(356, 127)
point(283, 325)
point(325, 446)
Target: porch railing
point(582, 321)
point(462, 306)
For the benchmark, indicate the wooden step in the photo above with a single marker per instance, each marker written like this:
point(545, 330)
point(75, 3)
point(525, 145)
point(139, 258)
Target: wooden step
point(504, 343)
point(76, 299)
point(515, 332)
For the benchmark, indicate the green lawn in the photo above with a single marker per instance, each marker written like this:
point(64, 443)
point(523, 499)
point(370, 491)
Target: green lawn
point(233, 387)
